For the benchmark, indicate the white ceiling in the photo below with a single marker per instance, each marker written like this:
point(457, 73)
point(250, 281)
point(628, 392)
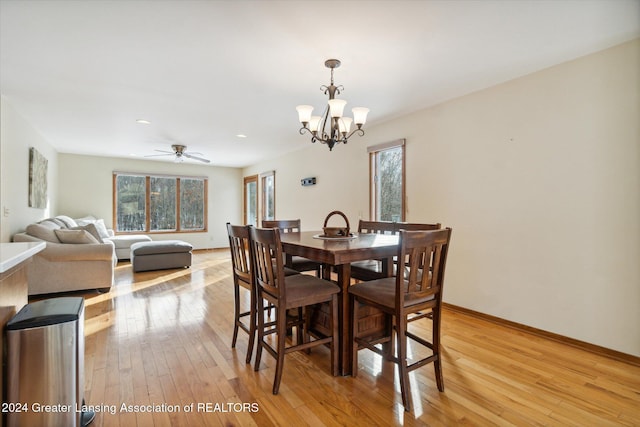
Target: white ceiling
point(82, 72)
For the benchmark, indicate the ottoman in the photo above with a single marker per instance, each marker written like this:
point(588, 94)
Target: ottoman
point(160, 255)
point(123, 243)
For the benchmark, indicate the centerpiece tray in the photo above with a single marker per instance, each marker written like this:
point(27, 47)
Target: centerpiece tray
point(351, 236)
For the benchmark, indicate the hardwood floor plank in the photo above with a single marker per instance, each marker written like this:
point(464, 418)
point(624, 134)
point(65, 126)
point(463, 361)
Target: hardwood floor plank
point(164, 337)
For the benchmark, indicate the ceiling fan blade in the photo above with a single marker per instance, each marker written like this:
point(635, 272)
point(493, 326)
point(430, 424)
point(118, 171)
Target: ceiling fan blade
point(189, 156)
point(165, 151)
point(193, 152)
point(159, 155)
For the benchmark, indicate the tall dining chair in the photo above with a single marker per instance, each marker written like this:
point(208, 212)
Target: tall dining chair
point(424, 254)
point(242, 277)
point(295, 292)
point(294, 262)
point(374, 269)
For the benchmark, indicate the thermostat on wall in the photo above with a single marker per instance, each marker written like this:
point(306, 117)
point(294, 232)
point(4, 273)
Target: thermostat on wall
point(308, 181)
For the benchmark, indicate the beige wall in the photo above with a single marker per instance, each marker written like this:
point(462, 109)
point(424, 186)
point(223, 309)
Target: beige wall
point(86, 189)
point(539, 179)
point(17, 135)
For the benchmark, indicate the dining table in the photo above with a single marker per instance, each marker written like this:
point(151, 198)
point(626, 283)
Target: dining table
point(337, 254)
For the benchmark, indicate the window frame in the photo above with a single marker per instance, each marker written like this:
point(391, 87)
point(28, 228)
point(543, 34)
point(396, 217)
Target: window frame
point(374, 151)
point(177, 213)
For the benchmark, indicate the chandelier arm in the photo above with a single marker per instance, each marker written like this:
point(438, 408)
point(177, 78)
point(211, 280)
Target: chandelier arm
point(360, 131)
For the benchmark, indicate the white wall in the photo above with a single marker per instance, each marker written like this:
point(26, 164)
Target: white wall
point(16, 137)
point(86, 183)
point(539, 178)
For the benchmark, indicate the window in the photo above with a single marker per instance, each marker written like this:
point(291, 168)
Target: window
point(269, 196)
point(251, 200)
point(387, 181)
point(158, 203)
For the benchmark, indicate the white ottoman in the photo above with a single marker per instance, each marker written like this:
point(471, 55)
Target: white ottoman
point(123, 243)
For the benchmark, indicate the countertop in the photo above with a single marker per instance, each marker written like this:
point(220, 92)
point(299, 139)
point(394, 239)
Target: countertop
point(12, 254)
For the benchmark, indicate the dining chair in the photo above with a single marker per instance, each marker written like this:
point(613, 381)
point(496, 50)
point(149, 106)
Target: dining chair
point(424, 254)
point(242, 277)
point(375, 269)
point(289, 293)
point(297, 263)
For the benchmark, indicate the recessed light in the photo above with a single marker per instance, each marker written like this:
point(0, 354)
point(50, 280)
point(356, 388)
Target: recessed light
point(143, 122)
point(241, 135)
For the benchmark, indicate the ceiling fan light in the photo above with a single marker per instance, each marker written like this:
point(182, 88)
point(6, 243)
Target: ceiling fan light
point(336, 107)
point(360, 115)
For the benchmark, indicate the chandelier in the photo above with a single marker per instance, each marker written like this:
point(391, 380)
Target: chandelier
point(331, 128)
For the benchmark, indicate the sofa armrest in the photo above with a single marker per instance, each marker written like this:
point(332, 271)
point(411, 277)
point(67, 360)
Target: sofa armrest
point(81, 252)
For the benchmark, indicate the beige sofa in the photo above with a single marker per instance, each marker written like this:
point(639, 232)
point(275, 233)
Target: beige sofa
point(77, 257)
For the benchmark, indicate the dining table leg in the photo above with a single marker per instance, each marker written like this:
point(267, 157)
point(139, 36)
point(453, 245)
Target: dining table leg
point(344, 315)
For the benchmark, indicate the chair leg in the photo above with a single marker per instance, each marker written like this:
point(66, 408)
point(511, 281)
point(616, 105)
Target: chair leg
point(354, 333)
point(301, 331)
point(236, 316)
point(335, 355)
point(401, 326)
point(260, 342)
point(252, 326)
point(436, 350)
point(281, 325)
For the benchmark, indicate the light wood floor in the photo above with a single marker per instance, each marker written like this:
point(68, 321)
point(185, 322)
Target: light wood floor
point(163, 338)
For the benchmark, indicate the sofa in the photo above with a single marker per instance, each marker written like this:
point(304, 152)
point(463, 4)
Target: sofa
point(78, 255)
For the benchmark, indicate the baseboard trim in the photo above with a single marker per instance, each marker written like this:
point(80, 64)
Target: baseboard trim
point(602, 351)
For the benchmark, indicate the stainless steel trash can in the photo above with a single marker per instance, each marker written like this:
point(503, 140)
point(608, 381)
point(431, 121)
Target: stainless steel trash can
point(45, 364)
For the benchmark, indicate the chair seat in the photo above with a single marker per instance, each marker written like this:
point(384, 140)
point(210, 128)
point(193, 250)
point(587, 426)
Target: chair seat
point(303, 289)
point(383, 293)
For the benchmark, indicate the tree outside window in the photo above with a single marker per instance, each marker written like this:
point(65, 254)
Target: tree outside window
point(159, 203)
point(387, 181)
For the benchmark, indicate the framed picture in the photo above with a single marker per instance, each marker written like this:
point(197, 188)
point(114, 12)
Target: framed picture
point(37, 179)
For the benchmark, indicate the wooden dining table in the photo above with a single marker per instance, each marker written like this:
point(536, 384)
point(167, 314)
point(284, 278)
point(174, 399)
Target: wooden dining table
point(340, 253)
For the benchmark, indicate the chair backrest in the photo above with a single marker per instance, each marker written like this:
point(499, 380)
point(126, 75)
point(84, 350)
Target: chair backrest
point(267, 260)
point(284, 225)
point(425, 257)
point(240, 254)
point(412, 226)
point(376, 227)
point(389, 227)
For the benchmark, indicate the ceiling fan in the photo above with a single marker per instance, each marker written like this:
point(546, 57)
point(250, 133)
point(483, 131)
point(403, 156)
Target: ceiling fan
point(180, 152)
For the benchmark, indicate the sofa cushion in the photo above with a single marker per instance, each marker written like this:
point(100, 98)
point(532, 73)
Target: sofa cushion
point(99, 223)
point(52, 223)
point(75, 236)
point(67, 221)
point(43, 231)
point(91, 229)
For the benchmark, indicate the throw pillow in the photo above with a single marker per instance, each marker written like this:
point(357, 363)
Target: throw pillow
point(76, 237)
point(91, 229)
point(102, 229)
point(85, 220)
point(42, 232)
point(68, 222)
point(99, 223)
